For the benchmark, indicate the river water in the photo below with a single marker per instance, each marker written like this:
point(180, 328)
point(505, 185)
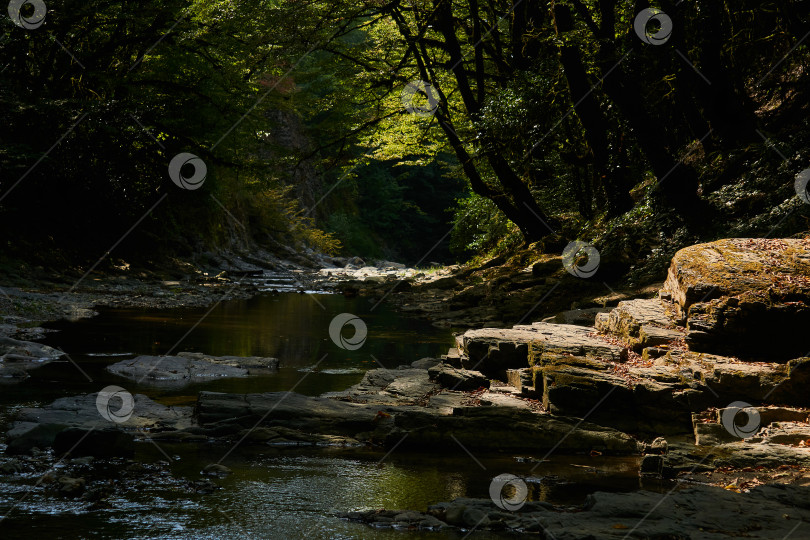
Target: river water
point(282, 493)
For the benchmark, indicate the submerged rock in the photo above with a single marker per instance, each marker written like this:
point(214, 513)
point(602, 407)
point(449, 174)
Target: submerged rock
point(186, 368)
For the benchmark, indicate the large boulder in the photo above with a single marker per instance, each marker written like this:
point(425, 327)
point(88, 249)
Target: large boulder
point(733, 293)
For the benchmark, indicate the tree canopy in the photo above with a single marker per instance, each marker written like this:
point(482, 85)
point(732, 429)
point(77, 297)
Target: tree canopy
point(370, 119)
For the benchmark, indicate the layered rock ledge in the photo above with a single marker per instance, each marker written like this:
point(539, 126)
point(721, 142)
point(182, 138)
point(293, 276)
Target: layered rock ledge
point(731, 293)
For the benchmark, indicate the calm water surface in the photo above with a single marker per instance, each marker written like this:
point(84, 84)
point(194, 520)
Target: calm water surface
point(280, 493)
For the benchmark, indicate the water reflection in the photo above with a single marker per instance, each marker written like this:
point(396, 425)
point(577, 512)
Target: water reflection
point(291, 327)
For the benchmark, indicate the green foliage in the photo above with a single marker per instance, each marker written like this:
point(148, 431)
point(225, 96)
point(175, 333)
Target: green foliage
point(479, 226)
point(558, 116)
point(394, 210)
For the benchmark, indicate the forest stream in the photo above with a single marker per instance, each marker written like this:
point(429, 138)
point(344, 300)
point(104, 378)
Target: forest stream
point(273, 492)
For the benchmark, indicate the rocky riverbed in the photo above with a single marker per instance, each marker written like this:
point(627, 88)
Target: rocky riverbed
point(672, 377)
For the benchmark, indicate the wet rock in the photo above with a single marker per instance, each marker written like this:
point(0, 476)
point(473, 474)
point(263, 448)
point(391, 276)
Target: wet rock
point(440, 424)
point(17, 357)
point(70, 487)
point(457, 379)
point(287, 409)
point(652, 465)
point(390, 265)
point(11, 466)
point(186, 368)
point(14, 349)
point(215, 469)
point(731, 292)
point(425, 363)
point(395, 519)
point(659, 447)
point(98, 493)
point(38, 427)
point(24, 437)
point(356, 261)
point(204, 487)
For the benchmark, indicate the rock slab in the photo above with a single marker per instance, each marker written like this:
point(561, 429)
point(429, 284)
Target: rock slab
point(730, 293)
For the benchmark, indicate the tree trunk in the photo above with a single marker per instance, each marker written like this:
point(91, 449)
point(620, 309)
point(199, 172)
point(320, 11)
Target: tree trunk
point(593, 121)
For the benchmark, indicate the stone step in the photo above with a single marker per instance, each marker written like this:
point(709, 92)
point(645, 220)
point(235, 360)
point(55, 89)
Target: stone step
point(522, 380)
point(454, 358)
